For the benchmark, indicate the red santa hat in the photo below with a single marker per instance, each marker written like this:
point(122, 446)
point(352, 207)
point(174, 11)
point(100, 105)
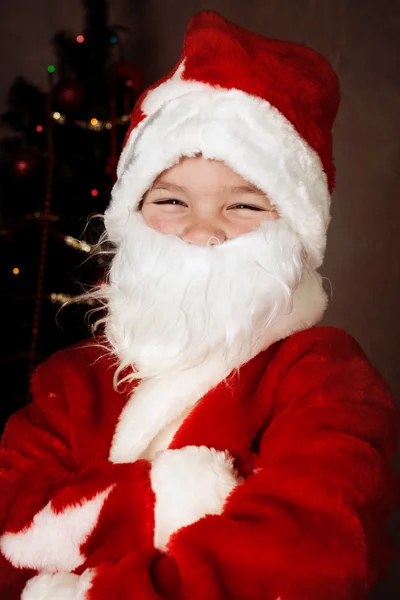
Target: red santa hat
point(264, 107)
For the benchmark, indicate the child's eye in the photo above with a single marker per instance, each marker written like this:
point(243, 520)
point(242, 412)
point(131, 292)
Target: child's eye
point(247, 207)
point(171, 201)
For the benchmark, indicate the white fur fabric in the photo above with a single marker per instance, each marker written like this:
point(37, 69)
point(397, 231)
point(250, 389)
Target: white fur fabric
point(186, 316)
point(58, 586)
point(52, 541)
point(170, 302)
point(185, 118)
point(188, 484)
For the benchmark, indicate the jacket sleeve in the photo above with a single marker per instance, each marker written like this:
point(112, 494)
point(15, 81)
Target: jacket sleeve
point(309, 522)
point(57, 515)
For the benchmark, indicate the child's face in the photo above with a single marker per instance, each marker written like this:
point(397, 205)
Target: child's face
point(204, 202)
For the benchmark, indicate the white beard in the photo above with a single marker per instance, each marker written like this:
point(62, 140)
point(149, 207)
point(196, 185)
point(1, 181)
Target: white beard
point(173, 306)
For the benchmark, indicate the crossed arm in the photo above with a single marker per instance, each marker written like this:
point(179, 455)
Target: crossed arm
point(309, 522)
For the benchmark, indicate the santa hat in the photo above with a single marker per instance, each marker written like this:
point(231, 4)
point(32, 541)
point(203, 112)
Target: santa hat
point(264, 107)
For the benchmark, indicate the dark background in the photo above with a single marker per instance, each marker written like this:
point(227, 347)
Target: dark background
point(361, 38)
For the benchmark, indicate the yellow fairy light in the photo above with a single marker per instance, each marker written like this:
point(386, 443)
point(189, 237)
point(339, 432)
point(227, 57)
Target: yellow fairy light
point(15, 270)
point(60, 298)
point(77, 244)
point(93, 124)
point(43, 216)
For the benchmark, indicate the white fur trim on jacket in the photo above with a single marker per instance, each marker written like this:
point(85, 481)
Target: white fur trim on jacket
point(58, 586)
point(52, 541)
point(157, 404)
point(185, 118)
point(189, 484)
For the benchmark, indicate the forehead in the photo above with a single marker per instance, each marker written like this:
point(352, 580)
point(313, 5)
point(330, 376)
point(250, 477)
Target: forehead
point(200, 172)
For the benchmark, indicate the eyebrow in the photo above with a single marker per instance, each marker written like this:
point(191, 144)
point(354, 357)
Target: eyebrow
point(244, 189)
point(171, 187)
point(235, 189)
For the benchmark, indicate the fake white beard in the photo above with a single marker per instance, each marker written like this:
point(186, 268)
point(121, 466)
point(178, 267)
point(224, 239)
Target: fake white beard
point(173, 305)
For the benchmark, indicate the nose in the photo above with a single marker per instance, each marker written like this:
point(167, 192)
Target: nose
point(203, 233)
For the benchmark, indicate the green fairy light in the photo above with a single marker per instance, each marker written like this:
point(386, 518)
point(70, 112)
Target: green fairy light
point(51, 68)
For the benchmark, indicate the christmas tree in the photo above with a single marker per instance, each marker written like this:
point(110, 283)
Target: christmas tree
point(57, 168)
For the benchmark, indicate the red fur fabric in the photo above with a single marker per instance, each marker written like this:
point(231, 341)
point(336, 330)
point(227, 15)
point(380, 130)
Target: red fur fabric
point(312, 428)
point(294, 79)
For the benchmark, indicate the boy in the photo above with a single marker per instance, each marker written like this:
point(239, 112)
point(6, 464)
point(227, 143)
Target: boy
point(213, 444)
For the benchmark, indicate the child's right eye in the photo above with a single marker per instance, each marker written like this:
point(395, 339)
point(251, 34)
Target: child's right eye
point(171, 201)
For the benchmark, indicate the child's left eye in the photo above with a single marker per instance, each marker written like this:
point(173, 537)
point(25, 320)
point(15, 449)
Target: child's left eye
point(247, 206)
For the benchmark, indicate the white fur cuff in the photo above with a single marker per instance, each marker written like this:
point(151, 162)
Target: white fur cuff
point(52, 541)
point(189, 484)
point(58, 586)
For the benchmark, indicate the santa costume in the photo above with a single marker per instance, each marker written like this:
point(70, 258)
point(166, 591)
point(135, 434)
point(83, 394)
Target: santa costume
point(214, 443)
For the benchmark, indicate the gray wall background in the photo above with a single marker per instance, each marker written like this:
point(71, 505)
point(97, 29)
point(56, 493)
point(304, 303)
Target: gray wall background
point(361, 38)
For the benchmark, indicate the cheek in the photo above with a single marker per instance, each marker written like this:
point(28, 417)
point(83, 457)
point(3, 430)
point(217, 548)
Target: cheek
point(161, 224)
point(243, 226)
point(240, 228)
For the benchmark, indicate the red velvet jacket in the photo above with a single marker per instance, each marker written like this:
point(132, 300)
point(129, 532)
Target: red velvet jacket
point(276, 485)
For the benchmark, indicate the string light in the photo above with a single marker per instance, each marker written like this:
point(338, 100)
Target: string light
point(93, 124)
point(60, 298)
point(114, 39)
point(58, 117)
point(94, 193)
point(39, 128)
point(77, 244)
point(80, 39)
point(41, 216)
point(16, 271)
point(51, 68)
point(45, 228)
point(22, 166)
